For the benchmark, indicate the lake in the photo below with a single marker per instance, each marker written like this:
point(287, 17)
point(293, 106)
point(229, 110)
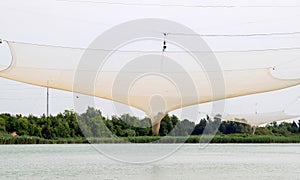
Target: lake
point(150, 161)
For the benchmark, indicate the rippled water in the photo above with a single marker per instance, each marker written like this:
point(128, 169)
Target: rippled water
point(216, 161)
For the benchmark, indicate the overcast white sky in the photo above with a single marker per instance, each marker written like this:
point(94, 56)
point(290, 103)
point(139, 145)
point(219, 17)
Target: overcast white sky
point(77, 24)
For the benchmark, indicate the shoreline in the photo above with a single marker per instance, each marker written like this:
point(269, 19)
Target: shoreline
point(217, 139)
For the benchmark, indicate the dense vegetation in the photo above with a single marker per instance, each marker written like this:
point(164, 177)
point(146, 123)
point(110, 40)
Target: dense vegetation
point(69, 127)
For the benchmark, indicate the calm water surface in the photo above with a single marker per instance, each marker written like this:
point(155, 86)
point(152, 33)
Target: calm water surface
point(216, 161)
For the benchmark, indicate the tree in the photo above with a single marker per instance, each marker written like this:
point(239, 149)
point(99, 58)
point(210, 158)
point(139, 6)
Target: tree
point(199, 128)
point(22, 126)
point(293, 128)
point(184, 128)
point(2, 125)
point(166, 126)
point(46, 133)
point(129, 133)
point(263, 131)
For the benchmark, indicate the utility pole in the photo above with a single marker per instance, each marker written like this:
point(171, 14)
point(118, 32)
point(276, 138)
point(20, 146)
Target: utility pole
point(47, 102)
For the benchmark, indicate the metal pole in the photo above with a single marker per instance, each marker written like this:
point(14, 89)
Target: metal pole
point(47, 101)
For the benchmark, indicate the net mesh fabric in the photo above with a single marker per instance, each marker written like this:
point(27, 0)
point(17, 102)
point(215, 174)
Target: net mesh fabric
point(257, 119)
point(163, 88)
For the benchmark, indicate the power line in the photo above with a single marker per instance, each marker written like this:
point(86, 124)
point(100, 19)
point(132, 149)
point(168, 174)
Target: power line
point(144, 4)
point(18, 89)
point(179, 5)
point(38, 97)
point(19, 99)
point(237, 35)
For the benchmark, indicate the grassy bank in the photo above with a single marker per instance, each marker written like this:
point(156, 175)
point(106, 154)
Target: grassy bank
point(8, 139)
point(232, 138)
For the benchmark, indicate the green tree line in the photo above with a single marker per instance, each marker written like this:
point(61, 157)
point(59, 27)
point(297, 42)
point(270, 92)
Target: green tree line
point(93, 124)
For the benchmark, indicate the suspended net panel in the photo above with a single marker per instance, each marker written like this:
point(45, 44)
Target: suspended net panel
point(258, 118)
point(250, 82)
point(153, 82)
point(55, 67)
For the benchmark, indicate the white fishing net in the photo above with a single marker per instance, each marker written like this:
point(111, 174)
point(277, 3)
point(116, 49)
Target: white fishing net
point(256, 119)
point(171, 80)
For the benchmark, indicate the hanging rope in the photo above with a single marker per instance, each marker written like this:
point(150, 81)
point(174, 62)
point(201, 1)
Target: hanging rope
point(256, 110)
point(163, 52)
point(285, 63)
point(154, 51)
point(290, 103)
point(164, 43)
